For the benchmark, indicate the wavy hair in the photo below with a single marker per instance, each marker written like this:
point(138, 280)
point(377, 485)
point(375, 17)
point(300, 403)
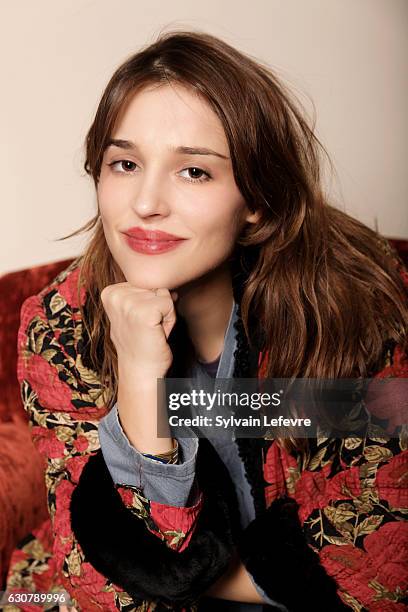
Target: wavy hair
point(324, 289)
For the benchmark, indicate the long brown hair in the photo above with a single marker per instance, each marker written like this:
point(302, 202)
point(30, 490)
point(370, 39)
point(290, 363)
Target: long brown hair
point(323, 289)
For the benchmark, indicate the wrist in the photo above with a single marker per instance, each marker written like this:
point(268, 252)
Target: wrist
point(136, 369)
point(132, 376)
point(143, 415)
point(170, 456)
point(145, 439)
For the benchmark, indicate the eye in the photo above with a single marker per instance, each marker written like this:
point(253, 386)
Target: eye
point(126, 166)
point(196, 171)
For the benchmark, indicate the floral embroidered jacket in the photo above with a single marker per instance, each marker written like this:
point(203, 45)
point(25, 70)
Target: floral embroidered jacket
point(330, 534)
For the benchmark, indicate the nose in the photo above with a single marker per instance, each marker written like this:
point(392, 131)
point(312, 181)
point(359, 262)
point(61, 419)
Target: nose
point(149, 198)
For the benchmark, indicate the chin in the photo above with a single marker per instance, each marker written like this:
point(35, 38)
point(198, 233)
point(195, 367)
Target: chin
point(152, 281)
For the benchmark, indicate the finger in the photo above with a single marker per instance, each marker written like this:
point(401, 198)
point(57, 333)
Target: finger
point(165, 292)
point(162, 292)
point(165, 306)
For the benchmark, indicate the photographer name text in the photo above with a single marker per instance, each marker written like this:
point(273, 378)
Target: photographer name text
point(232, 421)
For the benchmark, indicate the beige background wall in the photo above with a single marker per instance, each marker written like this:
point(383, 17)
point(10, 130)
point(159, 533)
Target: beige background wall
point(349, 56)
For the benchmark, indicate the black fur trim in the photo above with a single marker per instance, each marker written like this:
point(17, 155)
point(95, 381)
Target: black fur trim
point(274, 550)
point(121, 548)
point(250, 450)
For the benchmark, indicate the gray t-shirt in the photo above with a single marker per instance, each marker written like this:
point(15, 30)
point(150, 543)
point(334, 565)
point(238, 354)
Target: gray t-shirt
point(175, 485)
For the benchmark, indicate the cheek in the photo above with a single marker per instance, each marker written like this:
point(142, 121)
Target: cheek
point(109, 202)
point(222, 224)
point(218, 204)
point(102, 194)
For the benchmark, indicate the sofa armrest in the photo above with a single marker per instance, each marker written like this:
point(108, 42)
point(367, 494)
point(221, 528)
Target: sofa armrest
point(22, 488)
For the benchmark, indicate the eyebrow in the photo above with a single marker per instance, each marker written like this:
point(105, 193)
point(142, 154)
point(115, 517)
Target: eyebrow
point(128, 144)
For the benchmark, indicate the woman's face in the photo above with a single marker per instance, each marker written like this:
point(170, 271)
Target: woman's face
point(168, 170)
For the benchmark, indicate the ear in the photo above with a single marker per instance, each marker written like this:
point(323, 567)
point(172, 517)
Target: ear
point(253, 217)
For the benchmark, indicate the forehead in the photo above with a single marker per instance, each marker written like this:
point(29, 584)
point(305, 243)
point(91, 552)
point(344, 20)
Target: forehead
point(171, 113)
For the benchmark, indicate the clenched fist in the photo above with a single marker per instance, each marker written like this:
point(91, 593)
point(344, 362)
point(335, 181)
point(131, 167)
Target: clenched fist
point(140, 323)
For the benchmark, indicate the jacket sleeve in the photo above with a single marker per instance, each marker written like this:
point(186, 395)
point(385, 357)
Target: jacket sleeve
point(169, 484)
point(342, 537)
point(345, 526)
point(275, 552)
point(172, 485)
point(102, 529)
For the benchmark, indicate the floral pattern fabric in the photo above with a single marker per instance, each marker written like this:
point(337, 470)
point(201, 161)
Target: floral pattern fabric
point(352, 493)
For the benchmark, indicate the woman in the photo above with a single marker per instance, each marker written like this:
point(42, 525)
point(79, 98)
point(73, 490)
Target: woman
point(214, 253)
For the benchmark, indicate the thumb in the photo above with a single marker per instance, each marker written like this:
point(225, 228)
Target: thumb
point(169, 317)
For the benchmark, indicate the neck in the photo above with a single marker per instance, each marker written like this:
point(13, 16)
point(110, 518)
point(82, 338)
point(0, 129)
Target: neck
point(206, 305)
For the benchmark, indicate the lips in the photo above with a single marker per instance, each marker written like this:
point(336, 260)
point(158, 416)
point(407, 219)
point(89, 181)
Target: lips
point(151, 242)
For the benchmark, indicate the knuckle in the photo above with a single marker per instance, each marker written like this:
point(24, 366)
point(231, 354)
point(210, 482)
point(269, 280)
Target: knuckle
point(162, 290)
